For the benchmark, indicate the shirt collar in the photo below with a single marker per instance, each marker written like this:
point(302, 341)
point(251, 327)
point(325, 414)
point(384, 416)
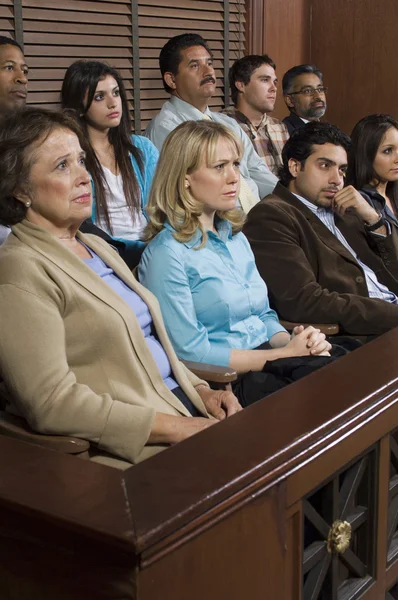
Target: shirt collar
point(188, 110)
point(242, 117)
point(223, 227)
point(317, 210)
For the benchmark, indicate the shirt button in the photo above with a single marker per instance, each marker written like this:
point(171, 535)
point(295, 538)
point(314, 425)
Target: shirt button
point(359, 279)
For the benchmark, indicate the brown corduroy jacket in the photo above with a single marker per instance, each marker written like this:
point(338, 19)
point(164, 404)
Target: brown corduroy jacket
point(311, 276)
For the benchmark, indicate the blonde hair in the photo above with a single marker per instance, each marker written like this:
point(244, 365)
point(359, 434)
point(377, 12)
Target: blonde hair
point(182, 154)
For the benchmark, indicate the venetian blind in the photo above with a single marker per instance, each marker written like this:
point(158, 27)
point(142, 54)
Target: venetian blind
point(128, 34)
point(7, 20)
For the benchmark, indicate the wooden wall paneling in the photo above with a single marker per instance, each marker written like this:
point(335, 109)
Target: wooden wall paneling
point(286, 39)
point(248, 545)
point(383, 500)
point(354, 44)
point(294, 545)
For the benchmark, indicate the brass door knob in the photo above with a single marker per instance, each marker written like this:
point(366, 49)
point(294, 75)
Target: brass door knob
point(339, 537)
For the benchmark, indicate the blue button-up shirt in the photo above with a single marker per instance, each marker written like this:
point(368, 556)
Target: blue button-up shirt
point(213, 299)
point(375, 288)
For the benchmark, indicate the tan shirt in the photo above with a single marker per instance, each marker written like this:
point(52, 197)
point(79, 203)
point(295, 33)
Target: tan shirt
point(72, 353)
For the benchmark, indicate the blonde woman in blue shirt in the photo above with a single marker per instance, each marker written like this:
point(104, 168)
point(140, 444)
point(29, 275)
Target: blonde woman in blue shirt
point(201, 268)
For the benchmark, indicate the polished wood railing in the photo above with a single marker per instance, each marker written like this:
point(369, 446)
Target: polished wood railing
point(295, 498)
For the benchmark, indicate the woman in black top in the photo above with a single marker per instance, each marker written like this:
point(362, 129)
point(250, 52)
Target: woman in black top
point(373, 163)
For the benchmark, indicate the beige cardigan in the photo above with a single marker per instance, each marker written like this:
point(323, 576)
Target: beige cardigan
point(72, 353)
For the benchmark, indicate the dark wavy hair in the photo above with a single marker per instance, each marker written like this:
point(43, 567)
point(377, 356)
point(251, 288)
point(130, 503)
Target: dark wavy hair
point(78, 89)
point(20, 135)
point(170, 55)
point(243, 69)
point(366, 138)
point(300, 145)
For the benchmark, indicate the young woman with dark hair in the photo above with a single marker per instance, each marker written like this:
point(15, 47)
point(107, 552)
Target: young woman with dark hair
point(121, 165)
point(373, 163)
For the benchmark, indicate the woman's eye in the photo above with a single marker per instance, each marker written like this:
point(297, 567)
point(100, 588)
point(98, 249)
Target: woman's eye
point(116, 93)
point(98, 97)
point(82, 161)
point(237, 164)
point(62, 165)
point(220, 167)
point(387, 151)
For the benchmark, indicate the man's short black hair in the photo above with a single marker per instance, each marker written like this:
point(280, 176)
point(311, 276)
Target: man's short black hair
point(291, 74)
point(300, 145)
point(170, 55)
point(243, 69)
point(4, 40)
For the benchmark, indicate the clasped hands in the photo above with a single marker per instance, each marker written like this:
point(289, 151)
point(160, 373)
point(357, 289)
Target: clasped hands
point(315, 341)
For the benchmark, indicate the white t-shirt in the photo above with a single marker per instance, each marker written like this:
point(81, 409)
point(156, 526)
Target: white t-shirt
point(123, 224)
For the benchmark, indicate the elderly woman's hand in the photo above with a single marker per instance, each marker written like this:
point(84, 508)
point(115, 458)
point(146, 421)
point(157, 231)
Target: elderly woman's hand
point(219, 403)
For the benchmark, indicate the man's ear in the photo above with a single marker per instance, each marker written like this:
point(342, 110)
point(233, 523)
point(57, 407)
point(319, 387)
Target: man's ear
point(294, 167)
point(288, 101)
point(240, 86)
point(169, 80)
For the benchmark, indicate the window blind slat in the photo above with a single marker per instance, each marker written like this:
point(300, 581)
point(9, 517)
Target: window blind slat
point(55, 34)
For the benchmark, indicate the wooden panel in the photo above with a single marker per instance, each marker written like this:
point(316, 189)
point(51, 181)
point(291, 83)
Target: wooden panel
point(360, 70)
point(292, 17)
point(211, 566)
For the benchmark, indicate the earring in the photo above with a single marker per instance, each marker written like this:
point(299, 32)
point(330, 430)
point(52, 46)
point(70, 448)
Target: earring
point(186, 185)
point(28, 203)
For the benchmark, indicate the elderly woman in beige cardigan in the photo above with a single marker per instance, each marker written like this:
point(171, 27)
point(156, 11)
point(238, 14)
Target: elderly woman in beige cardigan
point(74, 357)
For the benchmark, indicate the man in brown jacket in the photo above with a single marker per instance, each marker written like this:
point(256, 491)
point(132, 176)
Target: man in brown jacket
point(326, 255)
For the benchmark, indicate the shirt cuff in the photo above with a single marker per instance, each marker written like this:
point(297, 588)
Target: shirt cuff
point(275, 327)
point(216, 356)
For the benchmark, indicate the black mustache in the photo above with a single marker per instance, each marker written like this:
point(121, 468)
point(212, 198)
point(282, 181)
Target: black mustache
point(207, 80)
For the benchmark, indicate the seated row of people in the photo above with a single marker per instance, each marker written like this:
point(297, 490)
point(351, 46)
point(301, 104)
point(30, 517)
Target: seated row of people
point(83, 349)
point(199, 264)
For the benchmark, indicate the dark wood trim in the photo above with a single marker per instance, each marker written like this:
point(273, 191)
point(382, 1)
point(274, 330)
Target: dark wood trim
point(255, 26)
point(226, 52)
point(18, 22)
point(136, 68)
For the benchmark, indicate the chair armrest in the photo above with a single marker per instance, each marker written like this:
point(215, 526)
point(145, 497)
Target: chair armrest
point(211, 373)
point(326, 328)
point(16, 427)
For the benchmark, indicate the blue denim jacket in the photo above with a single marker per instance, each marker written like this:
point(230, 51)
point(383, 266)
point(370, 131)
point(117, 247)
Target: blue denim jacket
point(213, 299)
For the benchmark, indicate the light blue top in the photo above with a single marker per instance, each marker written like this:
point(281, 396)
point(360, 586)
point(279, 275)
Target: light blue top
point(140, 310)
point(150, 155)
point(212, 299)
point(375, 288)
